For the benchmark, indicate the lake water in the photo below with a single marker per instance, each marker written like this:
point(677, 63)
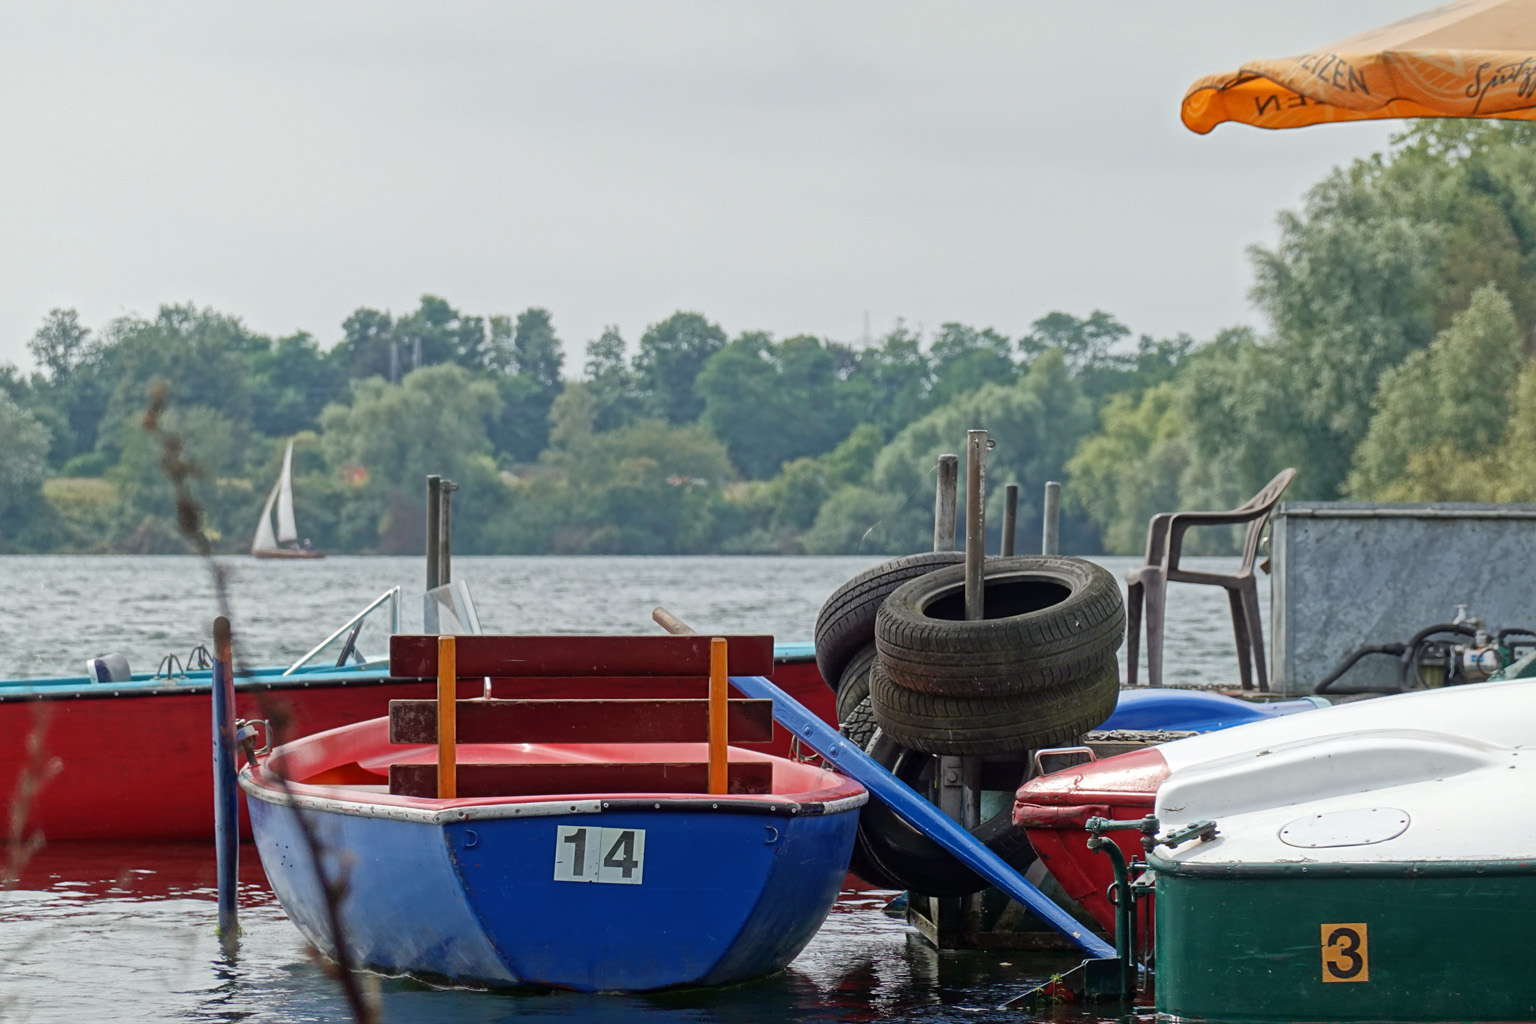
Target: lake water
point(125, 932)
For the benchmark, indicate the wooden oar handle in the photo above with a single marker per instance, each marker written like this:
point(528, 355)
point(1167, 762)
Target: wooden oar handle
point(671, 623)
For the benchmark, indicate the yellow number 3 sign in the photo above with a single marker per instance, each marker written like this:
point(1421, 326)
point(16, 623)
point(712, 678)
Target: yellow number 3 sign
point(1345, 954)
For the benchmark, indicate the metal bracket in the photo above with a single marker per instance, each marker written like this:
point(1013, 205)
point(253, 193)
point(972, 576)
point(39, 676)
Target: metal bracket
point(245, 737)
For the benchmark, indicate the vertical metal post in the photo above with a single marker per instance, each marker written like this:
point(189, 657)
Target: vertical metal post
point(1010, 517)
point(719, 769)
point(226, 797)
point(434, 527)
point(975, 521)
point(447, 718)
point(445, 537)
point(1050, 532)
point(944, 503)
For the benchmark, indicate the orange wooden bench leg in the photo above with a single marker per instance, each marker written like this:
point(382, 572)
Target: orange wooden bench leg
point(447, 718)
point(719, 779)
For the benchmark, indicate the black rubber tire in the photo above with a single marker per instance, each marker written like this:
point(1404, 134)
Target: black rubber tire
point(855, 718)
point(859, 725)
point(900, 857)
point(846, 621)
point(1008, 724)
point(853, 686)
point(1050, 620)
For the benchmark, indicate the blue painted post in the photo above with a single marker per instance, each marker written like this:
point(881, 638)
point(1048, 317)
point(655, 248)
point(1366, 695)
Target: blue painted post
point(226, 807)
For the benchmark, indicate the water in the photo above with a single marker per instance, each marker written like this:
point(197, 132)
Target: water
point(125, 931)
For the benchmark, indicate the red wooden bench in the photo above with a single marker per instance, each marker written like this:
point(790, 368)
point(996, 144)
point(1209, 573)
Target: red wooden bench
point(448, 721)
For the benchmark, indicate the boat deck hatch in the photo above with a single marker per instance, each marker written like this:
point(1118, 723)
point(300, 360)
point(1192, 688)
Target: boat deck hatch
point(1356, 827)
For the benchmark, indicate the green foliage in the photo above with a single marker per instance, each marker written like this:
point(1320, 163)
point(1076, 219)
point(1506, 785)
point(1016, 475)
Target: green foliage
point(1453, 397)
point(672, 354)
point(1082, 342)
point(963, 359)
point(1131, 469)
point(199, 356)
point(23, 468)
point(770, 402)
point(1036, 422)
point(147, 511)
point(612, 384)
point(393, 435)
point(531, 358)
point(646, 488)
point(441, 334)
point(292, 381)
point(890, 382)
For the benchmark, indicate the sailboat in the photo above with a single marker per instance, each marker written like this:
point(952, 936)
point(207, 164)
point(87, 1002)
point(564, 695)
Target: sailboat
point(268, 544)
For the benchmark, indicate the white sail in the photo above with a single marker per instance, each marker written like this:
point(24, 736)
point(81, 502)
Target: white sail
point(264, 540)
point(287, 532)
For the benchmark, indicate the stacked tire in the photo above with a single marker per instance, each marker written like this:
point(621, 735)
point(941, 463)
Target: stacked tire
point(1040, 670)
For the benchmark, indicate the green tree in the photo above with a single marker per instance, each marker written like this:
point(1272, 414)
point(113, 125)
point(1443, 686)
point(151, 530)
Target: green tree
point(1083, 342)
point(533, 359)
point(672, 353)
point(69, 395)
point(23, 468)
point(291, 382)
point(1132, 467)
point(612, 384)
point(1037, 423)
point(1455, 394)
point(770, 402)
point(202, 357)
point(215, 446)
point(392, 436)
point(369, 347)
point(435, 333)
point(890, 383)
point(963, 359)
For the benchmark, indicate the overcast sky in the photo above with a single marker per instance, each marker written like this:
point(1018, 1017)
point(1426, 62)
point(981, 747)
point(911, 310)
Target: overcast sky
point(783, 166)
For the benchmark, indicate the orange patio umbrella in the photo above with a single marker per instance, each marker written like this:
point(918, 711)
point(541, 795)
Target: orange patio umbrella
point(1474, 58)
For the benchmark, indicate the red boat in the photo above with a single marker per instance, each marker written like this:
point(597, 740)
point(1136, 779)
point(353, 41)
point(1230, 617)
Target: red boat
point(1053, 809)
point(132, 758)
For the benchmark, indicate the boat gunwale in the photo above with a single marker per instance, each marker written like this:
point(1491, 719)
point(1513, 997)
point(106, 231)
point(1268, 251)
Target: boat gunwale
point(258, 784)
point(266, 678)
point(1461, 868)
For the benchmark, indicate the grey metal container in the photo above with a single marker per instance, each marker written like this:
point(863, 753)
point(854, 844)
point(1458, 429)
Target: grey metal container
point(1353, 573)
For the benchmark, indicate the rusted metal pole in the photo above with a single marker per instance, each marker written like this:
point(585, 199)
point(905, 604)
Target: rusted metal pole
point(944, 503)
point(447, 718)
point(445, 538)
point(1050, 533)
point(226, 795)
point(1010, 516)
point(434, 526)
point(975, 521)
point(719, 775)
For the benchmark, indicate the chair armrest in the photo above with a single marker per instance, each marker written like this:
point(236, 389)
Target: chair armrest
point(1180, 522)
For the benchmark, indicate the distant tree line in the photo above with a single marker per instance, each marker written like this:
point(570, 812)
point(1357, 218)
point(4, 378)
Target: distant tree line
point(1396, 364)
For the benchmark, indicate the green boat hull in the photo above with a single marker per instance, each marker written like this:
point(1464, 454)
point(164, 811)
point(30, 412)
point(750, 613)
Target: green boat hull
point(1385, 942)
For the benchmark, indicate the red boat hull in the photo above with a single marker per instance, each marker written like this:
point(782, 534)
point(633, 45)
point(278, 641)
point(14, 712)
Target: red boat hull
point(140, 766)
point(1053, 809)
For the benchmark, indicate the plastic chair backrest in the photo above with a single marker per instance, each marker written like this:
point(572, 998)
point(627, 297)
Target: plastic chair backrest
point(1262, 503)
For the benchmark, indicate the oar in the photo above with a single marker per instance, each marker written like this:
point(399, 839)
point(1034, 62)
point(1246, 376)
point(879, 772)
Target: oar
point(810, 730)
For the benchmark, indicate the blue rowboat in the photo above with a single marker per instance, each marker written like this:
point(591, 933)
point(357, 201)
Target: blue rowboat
point(595, 865)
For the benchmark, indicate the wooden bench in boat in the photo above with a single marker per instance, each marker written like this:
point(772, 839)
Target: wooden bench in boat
point(447, 721)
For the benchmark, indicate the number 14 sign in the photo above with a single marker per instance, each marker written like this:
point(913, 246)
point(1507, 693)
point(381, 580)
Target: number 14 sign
point(586, 853)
